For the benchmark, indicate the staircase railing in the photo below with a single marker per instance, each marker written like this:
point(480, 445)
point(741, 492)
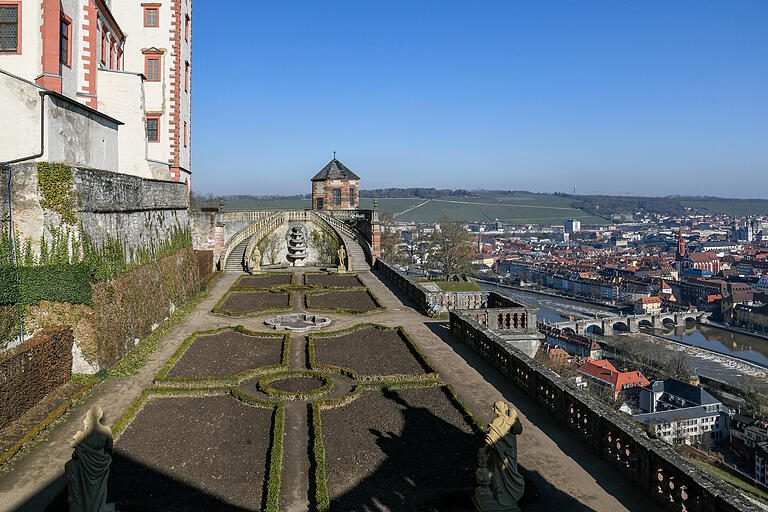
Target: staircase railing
point(249, 231)
point(266, 223)
point(347, 230)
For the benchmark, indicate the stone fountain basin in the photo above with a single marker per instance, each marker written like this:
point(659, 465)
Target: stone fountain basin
point(298, 322)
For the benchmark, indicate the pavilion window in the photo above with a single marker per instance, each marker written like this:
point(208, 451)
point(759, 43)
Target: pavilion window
point(9, 29)
point(337, 197)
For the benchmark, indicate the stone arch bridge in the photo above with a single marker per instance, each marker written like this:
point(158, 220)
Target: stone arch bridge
point(232, 235)
point(632, 323)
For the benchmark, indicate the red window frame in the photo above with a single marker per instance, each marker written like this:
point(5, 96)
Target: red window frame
point(157, 117)
point(156, 56)
point(185, 134)
point(119, 58)
point(68, 21)
point(186, 77)
point(111, 53)
point(186, 27)
point(151, 7)
point(17, 5)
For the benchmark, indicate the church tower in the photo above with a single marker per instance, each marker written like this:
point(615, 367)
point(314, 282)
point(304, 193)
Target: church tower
point(680, 255)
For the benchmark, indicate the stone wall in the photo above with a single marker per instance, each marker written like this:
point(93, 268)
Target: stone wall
point(140, 211)
point(441, 301)
point(652, 465)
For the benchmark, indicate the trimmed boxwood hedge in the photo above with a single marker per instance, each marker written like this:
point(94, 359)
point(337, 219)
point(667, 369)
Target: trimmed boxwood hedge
point(63, 282)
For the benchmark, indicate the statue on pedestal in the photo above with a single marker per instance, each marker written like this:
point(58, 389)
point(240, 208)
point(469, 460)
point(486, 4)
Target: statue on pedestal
point(342, 259)
point(88, 470)
point(254, 261)
point(499, 483)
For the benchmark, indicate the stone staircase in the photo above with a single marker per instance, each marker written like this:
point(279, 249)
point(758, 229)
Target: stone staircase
point(357, 259)
point(235, 260)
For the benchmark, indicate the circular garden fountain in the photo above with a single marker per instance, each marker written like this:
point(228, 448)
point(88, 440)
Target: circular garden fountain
point(298, 322)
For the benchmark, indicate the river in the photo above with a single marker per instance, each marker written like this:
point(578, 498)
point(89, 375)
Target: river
point(557, 309)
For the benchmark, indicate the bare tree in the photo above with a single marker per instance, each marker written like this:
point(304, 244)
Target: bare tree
point(389, 239)
point(451, 248)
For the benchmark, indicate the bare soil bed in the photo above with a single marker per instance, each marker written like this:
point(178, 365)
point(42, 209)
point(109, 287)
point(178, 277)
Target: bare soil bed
point(192, 453)
point(333, 280)
point(245, 302)
point(352, 300)
point(368, 351)
point(264, 281)
point(296, 384)
point(402, 450)
point(226, 353)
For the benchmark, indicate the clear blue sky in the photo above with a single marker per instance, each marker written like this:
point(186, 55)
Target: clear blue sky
point(617, 97)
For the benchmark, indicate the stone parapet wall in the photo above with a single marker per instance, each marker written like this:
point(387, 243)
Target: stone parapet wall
point(141, 212)
point(426, 300)
point(653, 466)
point(415, 292)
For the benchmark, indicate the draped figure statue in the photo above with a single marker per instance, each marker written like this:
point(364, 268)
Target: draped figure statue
point(499, 483)
point(88, 470)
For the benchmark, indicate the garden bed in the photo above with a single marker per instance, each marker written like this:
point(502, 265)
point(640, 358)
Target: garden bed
point(236, 303)
point(369, 350)
point(192, 453)
point(226, 352)
point(297, 384)
point(343, 301)
point(264, 281)
point(333, 280)
point(399, 450)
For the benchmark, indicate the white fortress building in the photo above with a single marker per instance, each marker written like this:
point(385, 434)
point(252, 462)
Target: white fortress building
point(98, 83)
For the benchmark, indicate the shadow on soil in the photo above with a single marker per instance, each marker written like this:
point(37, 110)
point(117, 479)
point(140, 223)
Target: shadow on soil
point(600, 470)
point(429, 467)
point(134, 487)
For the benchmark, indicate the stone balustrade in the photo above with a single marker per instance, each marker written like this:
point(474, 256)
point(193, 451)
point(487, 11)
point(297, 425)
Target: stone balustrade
point(653, 466)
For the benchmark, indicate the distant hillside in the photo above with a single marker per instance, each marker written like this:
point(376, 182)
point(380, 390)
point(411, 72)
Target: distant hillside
point(606, 206)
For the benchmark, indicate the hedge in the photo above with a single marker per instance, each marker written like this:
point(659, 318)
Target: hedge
point(56, 283)
point(28, 372)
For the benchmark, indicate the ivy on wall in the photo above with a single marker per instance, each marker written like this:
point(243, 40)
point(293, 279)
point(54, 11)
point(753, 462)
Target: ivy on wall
point(57, 189)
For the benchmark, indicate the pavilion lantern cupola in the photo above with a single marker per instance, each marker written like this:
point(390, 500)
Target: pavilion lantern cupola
point(335, 187)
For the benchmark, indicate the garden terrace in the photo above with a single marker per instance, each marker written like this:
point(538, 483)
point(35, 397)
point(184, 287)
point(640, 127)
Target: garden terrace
point(241, 303)
point(179, 453)
point(225, 352)
point(343, 301)
point(332, 280)
point(371, 443)
point(368, 349)
point(385, 416)
point(269, 280)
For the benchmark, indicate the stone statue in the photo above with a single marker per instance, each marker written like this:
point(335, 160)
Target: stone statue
point(254, 262)
point(88, 470)
point(499, 483)
point(342, 259)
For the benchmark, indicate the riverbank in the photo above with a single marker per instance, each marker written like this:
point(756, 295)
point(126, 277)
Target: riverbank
point(745, 365)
